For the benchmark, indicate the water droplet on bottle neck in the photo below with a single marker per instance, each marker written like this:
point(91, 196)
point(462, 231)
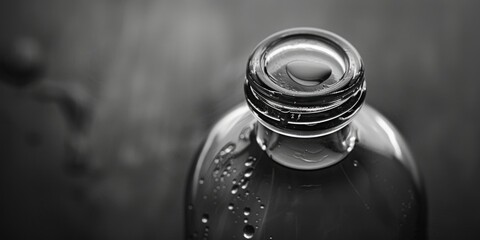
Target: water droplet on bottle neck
point(308, 73)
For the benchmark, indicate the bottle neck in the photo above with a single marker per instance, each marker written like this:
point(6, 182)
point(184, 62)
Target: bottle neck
point(306, 153)
point(305, 83)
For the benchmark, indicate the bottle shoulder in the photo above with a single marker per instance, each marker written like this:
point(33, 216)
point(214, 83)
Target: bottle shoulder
point(374, 130)
point(375, 133)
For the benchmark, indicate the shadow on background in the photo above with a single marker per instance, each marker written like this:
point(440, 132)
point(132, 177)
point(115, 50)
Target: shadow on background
point(102, 103)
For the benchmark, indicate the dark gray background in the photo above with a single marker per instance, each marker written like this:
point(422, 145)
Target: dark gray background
point(136, 84)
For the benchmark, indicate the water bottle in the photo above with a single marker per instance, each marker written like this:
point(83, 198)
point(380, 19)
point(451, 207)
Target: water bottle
point(304, 157)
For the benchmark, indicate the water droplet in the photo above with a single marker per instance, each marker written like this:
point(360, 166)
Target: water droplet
point(249, 161)
point(308, 73)
point(246, 211)
point(216, 171)
point(248, 172)
point(245, 184)
point(205, 218)
point(216, 160)
point(228, 148)
point(245, 220)
point(355, 163)
point(190, 206)
point(248, 231)
point(234, 189)
point(262, 206)
point(230, 206)
point(245, 134)
point(200, 181)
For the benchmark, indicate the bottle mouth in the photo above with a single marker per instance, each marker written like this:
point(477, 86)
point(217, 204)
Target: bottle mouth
point(304, 82)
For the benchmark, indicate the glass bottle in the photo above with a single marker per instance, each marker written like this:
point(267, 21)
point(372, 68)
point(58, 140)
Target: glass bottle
point(304, 157)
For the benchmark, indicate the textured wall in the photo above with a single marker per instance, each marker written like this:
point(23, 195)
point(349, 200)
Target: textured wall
point(97, 146)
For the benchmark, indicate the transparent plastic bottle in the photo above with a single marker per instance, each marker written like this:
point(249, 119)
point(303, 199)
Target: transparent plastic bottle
point(304, 158)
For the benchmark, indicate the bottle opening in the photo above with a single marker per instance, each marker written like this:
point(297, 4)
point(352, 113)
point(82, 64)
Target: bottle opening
point(303, 65)
point(304, 82)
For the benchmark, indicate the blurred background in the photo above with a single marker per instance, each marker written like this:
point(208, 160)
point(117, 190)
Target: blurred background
point(103, 103)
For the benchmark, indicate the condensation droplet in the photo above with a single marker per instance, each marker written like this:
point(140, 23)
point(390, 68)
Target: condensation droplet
point(248, 172)
point(205, 218)
point(227, 149)
point(246, 211)
point(355, 163)
point(248, 231)
point(234, 189)
point(245, 184)
point(262, 206)
point(200, 181)
point(216, 171)
point(245, 134)
point(230, 206)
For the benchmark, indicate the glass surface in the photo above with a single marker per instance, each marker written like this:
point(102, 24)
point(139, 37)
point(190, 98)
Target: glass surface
point(238, 191)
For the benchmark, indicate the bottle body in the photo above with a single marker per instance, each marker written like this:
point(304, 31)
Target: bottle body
point(240, 189)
